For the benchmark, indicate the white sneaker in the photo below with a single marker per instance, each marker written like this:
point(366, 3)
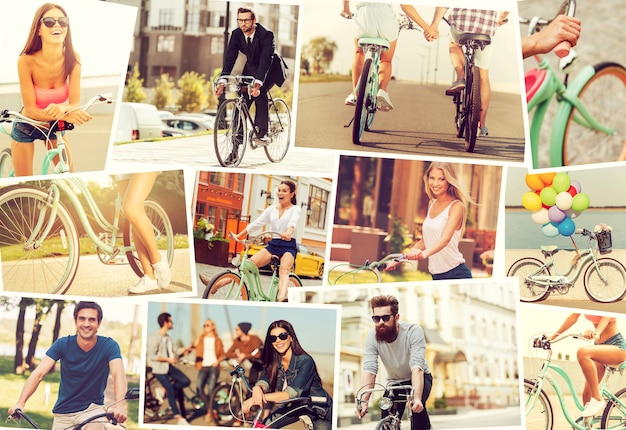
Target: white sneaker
point(162, 273)
point(384, 102)
point(350, 100)
point(482, 132)
point(593, 407)
point(159, 394)
point(144, 284)
point(182, 422)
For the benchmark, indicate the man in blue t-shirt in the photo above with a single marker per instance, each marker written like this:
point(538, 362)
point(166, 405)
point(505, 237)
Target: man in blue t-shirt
point(86, 361)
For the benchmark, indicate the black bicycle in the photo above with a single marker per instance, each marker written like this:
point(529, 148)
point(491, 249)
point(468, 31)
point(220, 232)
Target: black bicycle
point(106, 417)
point(467, 100)
point(233, 119)
point(393, 395)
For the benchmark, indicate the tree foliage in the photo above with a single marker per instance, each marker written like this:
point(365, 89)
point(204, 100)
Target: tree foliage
point(320, 51)
point(134, 91)
point(194, 91)
point(163, 91)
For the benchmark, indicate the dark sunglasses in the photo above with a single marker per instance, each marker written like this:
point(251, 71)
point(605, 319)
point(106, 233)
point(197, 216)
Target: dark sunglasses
point(49, 21)
point(283, 336)
point(385, 318)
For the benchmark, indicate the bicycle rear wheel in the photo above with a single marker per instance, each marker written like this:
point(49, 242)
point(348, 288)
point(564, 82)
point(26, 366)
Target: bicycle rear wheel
point(473, 110)
point(605, 283)
point(603, 96)
point(225, 405)
point(6, 164)
point(614, 416)
point(231, 287)
point(350, 274)
point(363, 102)
point(32, 262)
point(459, 116)
point(528, 290)
point(279, 131)
point(230, 134)
point(539, 415)
point(163, 234)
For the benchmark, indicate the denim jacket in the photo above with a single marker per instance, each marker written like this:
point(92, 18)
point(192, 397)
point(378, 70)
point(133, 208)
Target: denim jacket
point(301, 379)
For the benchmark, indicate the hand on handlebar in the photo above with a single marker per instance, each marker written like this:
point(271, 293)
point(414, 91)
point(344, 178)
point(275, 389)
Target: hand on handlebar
point(285, 236)
point(415, 254)
point(361, 409)
point(17, 407)
point(120, 412)
point(77, 117)
point(416, 405)
point(219, 89)
point(591, 334)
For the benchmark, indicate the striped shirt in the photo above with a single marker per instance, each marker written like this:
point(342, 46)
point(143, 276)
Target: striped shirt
point(474, 20)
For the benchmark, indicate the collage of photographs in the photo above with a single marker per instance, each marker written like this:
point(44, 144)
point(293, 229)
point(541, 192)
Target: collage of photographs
point(313, 214)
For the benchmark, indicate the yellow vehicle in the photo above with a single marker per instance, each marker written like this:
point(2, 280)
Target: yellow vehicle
point(308, 263)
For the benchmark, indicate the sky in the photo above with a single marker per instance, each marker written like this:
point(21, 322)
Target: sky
point(413, 54)
point(603, 186)
point(101, 33)
point(315, 327)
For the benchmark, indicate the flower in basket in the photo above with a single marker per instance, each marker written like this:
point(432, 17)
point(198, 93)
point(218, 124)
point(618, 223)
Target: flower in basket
point(204, 225)
point(599, 228)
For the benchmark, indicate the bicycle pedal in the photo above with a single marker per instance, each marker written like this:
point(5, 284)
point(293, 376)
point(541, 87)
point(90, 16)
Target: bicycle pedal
point(117, 261)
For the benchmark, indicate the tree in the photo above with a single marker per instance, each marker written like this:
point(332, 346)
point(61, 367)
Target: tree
point(42, 308)
point(358, 184)
point(321, 51)
point(193, 92)
point(134, 87)
point(18, 362)
point(163, 91)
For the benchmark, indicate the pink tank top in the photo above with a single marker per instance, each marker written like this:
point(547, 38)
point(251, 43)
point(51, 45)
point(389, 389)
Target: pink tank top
point(45, 96)
point(595, 319)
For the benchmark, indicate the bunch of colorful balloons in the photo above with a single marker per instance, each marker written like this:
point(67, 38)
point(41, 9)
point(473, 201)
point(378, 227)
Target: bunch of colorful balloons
point(554, 200)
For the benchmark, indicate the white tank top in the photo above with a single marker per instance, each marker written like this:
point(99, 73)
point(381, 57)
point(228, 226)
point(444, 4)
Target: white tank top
point(432, 229)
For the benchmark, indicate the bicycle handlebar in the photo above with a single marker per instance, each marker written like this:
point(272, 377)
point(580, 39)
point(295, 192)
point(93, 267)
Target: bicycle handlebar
point(535, 24)
point(544, 343)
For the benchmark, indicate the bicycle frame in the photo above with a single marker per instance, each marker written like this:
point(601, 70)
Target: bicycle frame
point(388, 401)
point(544, 375)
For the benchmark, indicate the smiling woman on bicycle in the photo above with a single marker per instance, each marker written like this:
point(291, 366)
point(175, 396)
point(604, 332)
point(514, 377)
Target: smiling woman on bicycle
point(49, 74)
point(609, 348)
point(288, 372)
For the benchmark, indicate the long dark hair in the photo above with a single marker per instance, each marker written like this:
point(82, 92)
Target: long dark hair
point(271, 358)
point(33, 43)
point(292, 188)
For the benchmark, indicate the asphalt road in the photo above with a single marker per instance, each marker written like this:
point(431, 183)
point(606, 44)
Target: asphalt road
point(422, 122)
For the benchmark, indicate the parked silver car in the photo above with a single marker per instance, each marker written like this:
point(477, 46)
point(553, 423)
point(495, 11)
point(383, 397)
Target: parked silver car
point(190, 123)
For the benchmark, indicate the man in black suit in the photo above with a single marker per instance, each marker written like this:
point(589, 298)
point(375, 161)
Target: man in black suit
point(257, 43)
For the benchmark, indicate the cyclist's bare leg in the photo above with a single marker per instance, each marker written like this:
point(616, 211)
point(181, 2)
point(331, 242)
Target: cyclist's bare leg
point(485, 96)
point(357, 64)
point(286, 265)
point(587, 391)
point(622, 154)
point(384, 73)
point(260, 259)
point(22, 154)
point(458, 60)
point(590, 356)
point(135, 191)
point(53, 144)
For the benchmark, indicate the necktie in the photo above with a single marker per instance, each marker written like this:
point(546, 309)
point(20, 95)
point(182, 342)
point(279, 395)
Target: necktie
point(249, 44)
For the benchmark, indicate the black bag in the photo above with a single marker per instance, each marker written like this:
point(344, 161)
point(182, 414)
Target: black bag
point(278, 70)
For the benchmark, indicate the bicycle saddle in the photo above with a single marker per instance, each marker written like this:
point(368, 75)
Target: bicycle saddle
point(480, 39)
point(374, 41)
point(549, 251)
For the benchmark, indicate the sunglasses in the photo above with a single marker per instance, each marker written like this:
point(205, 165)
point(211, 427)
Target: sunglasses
point(385, 318)
point(208, 325)
point(283, 336)
point(49, 21)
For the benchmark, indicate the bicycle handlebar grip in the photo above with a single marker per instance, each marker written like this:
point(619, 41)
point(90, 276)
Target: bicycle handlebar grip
point(562, 49)
point(318, 399)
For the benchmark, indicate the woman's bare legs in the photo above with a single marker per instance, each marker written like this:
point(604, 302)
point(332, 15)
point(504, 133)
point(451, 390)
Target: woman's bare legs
point(590, 357)
point(22, 154)
point(53, 144)
point(286, 266)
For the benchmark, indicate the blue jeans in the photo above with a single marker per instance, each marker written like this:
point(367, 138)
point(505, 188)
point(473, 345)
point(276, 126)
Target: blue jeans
point(459, 272)
point(207, 376)
point(174, 381)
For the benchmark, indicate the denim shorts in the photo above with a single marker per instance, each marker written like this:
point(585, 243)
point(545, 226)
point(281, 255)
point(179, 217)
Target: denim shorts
point(25, 133)
point(279, 247)
point(617, 340)
point(459, 272)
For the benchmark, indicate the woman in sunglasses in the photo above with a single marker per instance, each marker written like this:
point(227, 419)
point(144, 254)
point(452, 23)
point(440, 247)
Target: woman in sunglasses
point(288, 372)
point(49, 74)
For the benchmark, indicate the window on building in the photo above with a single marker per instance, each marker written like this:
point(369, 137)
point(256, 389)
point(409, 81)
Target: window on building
point(166, 18)
point(166, 43)
point(317, 204)
point(211, 214)
point(218, 178)
point(217, 45)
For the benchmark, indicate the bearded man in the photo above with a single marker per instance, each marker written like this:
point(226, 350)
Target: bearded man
point(401, 347)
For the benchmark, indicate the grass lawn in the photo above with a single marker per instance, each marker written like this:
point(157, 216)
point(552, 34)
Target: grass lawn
point(305, 79)
point(39, 406)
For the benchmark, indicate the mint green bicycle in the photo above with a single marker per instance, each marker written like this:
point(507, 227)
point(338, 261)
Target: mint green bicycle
point(589, 125)
point(244, 283)
point(539, 413)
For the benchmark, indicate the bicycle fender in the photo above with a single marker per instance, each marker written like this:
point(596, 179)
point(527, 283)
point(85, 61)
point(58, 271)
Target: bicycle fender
point(562, 114)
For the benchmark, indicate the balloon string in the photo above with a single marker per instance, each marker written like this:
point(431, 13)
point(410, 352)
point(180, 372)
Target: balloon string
point(577, 256)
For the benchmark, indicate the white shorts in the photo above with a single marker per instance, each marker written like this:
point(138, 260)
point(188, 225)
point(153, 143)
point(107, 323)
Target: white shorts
point(376, 20)
point(482, 57)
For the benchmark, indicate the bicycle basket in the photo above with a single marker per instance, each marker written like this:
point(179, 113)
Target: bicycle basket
point(605, 242)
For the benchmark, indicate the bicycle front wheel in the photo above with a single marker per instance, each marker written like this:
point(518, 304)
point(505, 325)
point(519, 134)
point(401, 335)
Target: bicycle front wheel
point(363, 102)
point(524, 268)
point(348, 274)
point(539, 415)
point(33, 261)
point(279, 131)
point(225, 405)
point(230, 134)
point(226, 286)
point(605, 281)
point(6, 164)
point(603, 96)
point(614, 416)
point(387, 424)
point(473, 110)
point(294, 281)
point(163, 234)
